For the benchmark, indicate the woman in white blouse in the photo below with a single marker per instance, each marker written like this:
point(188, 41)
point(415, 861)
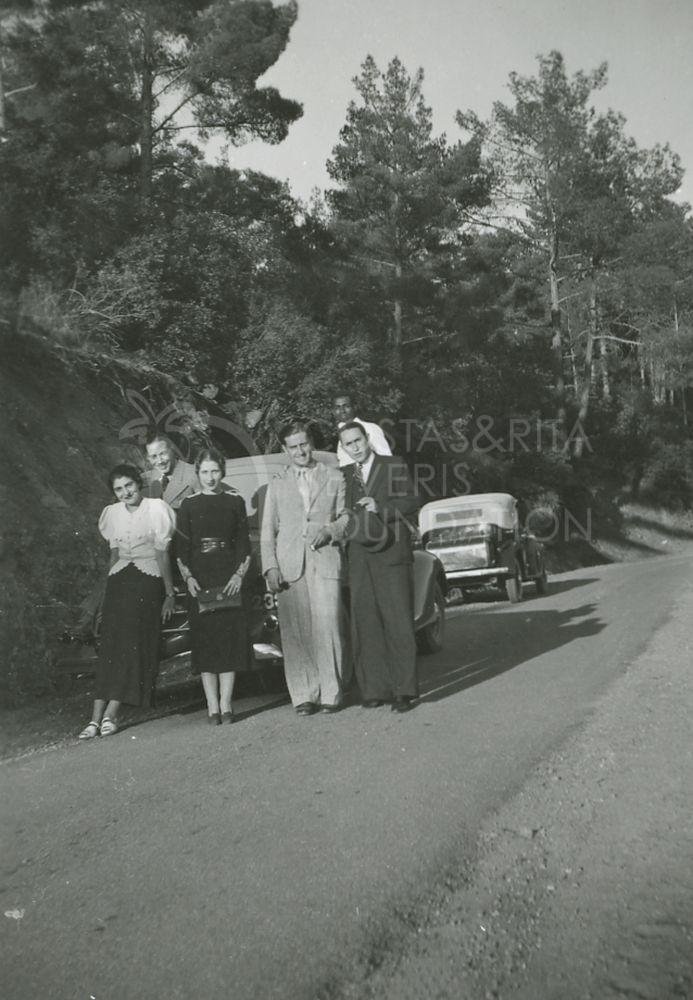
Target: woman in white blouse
point(139, 595)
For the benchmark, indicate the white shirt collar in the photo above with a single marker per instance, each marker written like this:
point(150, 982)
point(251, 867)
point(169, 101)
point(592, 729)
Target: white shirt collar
point(308, 469)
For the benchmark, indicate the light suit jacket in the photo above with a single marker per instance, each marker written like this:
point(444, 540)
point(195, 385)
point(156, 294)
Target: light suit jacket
point(288, 528)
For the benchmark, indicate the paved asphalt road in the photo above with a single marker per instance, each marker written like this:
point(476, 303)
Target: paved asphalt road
point(280, 856)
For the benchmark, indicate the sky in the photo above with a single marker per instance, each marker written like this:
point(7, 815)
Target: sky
point(467, 48)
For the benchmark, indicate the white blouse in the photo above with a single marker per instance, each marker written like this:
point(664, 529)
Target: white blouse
point(138, 534)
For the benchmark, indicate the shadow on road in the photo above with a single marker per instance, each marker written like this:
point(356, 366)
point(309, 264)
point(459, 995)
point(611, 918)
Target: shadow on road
point(498, 643)
point(560, 586)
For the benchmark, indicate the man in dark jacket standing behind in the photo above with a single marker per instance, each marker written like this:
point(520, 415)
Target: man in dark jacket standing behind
point(381, 495)
point(170, 479)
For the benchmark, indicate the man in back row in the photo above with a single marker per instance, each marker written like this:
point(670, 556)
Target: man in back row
point(344, 413)
point(171, 479)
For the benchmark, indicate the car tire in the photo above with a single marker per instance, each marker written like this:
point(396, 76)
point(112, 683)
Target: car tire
point(429, 639)
point(541, 582)
point(513, 586)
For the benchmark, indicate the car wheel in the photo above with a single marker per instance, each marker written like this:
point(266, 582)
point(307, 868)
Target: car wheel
point(541, 582)
point(513, 586)
point(429, 639)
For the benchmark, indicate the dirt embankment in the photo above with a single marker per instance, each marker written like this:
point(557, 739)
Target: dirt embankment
point(67, 419)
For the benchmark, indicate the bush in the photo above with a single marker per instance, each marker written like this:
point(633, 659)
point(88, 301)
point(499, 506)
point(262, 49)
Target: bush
point(668, 475)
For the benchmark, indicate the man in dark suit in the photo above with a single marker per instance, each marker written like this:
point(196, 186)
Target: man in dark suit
point(381, 495)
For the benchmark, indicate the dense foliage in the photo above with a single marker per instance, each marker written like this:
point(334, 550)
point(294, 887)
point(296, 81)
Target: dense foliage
point(531, 277)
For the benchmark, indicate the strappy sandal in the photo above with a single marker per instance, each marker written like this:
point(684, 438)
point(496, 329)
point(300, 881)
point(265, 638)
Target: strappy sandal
point(90, 731)
point(108, 726)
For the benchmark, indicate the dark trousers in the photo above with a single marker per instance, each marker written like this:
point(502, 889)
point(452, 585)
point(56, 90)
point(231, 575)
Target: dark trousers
point(382, 626)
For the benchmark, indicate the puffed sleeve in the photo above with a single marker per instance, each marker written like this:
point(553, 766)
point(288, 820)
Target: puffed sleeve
point(163, 523)
point(107, 525)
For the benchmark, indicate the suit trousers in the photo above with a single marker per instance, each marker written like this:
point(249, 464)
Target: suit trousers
point(312, 623)
point(382, 627)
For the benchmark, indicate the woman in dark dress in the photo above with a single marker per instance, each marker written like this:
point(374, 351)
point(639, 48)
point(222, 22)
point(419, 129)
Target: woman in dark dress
point(139, 595)
point(213, 549)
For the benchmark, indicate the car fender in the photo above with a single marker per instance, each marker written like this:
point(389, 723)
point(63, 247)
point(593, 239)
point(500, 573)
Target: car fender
point(428, 572)
point(533, 551)
point(508, 555)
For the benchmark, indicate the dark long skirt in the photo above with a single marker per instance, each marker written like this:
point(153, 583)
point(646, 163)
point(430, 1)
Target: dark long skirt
point(218, 640)
point(130, 630)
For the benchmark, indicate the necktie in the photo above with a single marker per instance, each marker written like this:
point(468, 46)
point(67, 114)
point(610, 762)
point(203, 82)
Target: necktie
point(303, 486)
point(165, 480)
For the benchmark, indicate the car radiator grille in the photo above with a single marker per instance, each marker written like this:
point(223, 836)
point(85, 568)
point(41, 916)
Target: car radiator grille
point(465, 557)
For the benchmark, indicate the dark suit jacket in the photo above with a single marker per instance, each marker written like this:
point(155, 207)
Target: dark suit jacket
point(392, 488)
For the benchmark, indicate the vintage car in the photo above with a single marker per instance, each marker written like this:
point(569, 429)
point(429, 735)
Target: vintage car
point(479, 540)
point(250, 477)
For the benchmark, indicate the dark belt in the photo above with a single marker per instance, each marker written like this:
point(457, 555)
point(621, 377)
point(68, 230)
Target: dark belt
point(212, 544)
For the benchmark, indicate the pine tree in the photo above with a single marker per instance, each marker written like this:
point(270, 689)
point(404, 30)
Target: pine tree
point(402, 200)
point(162, 68)
point(571, 186)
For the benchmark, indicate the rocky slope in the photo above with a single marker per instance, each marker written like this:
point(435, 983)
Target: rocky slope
point(67, 418)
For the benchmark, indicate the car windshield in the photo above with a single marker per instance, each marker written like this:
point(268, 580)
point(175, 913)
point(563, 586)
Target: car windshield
point(456, 534)
point(489, 508)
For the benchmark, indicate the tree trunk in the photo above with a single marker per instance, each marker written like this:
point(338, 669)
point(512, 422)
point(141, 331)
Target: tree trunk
point(2, 90)
point(588, 365)
point(557, 334)
point(657, 378)
point(604, 370)
point(397, 319)
point(556, 316)
point(574, 372)
point(146, 113)
point(573, 360)
point(684, 408)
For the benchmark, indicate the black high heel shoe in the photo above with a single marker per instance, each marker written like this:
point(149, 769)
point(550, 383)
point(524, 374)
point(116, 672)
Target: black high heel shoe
point(214, 719)
point(228, 717)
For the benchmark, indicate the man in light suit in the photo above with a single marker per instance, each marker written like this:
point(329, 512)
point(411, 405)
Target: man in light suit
point(303, 520)
point(170, 479)
point(380, 492)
